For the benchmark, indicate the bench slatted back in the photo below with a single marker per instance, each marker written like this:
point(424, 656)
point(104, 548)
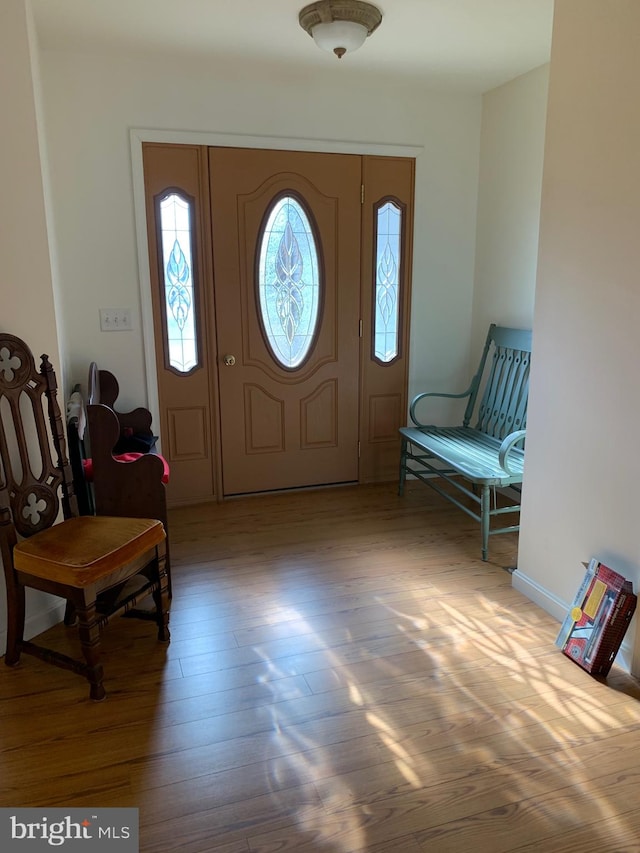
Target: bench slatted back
point(503, 377)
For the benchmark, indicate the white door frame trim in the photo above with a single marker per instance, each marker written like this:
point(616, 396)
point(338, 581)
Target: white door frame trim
point(139, 135)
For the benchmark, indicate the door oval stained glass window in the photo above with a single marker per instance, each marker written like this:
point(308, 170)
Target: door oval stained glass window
point(288, 282)
point(176, 224)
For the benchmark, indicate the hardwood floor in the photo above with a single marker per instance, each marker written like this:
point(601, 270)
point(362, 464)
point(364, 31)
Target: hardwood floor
point(344, 675)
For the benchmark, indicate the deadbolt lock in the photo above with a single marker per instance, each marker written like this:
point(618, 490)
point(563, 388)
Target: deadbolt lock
point(229, 360)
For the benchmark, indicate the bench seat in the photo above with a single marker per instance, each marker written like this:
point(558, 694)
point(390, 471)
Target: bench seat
point(468, 452)
point(488, 455)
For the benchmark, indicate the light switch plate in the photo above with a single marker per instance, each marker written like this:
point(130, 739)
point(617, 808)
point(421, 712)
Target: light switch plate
point(115, 319)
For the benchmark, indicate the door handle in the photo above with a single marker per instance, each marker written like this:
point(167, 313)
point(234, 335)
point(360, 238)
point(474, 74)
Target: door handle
point(229, 360)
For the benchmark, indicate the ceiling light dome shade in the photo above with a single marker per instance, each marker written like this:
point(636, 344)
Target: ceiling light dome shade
point(339, 26)
point(344, 36)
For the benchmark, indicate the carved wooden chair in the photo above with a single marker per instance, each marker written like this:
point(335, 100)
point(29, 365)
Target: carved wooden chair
point(90, 561)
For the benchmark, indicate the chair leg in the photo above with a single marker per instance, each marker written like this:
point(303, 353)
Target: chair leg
point(15, 623)
point(168, 570)
point(403, 467)
point(485, 507)
point(89, 634)
point(69, 614)
point(161, 601)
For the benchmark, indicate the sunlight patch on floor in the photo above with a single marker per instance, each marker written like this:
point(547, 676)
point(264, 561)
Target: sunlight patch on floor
point(530, 690)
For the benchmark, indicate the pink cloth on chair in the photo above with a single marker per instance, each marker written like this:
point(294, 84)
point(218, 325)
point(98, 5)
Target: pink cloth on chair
point(87, 464)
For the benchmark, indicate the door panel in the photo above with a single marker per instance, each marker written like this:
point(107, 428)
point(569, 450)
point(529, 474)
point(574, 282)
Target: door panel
point(280, 427)
point(187, 433)
point(319, 416)
point(187, 428)
point(383, 387)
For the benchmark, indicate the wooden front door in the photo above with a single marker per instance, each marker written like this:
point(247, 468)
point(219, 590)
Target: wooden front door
point(286, 249)
point(281, 352)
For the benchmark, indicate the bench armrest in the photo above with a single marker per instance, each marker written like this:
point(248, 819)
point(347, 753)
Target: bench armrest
point(508, 443)
point(418, 397)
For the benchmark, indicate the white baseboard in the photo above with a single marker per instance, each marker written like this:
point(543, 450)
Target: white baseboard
point(38, 622)
point(549, 602)
point(552, 605)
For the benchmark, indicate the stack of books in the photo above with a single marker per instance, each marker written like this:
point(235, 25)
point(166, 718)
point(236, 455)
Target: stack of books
point(597, 621)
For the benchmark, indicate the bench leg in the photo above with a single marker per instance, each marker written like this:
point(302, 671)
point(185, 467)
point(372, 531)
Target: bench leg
point(485, 518)
point(403, 466)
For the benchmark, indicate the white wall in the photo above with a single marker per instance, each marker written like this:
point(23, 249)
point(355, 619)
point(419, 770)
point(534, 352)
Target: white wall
point(509, 190)
point(26, 285)
point(583, 466)
point(91, 103)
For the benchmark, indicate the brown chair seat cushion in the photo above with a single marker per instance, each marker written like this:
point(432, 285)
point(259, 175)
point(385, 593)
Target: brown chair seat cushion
point(81, 551)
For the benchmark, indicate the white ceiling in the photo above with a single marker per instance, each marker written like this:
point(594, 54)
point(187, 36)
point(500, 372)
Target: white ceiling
point(463, 45)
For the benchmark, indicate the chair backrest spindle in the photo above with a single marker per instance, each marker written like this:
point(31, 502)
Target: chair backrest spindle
point(69, 500)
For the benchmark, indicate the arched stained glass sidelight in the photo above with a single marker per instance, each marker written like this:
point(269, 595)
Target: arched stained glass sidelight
point(387, 284)
point(177, 266)
point(289, 286)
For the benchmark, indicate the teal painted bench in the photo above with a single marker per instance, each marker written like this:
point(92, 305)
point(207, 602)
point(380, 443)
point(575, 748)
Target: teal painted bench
point(488, 455)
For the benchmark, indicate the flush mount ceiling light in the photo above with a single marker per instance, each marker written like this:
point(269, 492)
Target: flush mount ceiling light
point(339, 26)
